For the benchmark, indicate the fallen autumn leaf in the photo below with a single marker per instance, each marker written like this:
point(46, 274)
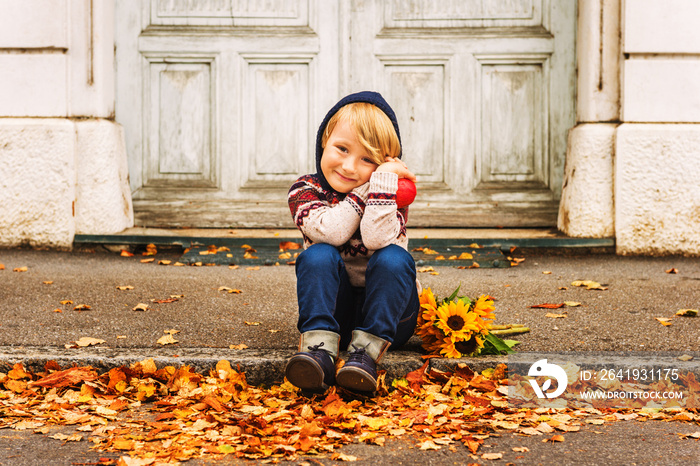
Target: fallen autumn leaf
point(229, 290)
point(589, 284)
point(665, 321)
point(571, 304)
point(285, 245)
point(167, 340)
point(84, 342)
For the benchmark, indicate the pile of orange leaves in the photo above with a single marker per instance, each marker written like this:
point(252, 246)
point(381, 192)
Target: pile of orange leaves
point(149, 415)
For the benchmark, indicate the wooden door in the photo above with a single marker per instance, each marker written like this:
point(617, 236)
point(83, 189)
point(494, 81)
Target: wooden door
point(221, 100)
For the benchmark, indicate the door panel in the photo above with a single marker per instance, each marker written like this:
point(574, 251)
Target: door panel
point(513, 124)
point(180, 126)
point(417, 95)
point(275, 145)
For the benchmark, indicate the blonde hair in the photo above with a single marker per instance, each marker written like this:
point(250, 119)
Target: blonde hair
point(373, 129)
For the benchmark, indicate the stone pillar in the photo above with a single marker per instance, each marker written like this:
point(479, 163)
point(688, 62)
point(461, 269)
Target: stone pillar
point(587, 208)
point(63, 165)
point(657, 150)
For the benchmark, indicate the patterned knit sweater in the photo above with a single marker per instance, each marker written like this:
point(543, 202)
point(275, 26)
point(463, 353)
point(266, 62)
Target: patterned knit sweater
point(357, 224)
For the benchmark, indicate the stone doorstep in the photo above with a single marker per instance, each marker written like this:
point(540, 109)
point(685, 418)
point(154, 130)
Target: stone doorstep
point(413, 233)
point(447, 245)
point(450, 255)
point(504, 238)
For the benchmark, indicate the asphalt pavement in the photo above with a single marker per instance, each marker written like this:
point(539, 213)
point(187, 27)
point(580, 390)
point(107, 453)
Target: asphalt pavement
point(257, 326)
point(51, 299)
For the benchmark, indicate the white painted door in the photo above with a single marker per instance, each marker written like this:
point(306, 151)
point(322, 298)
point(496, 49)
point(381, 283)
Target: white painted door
point(221, 100)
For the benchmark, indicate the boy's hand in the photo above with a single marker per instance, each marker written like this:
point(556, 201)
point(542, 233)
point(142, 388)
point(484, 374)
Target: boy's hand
point(396, 165)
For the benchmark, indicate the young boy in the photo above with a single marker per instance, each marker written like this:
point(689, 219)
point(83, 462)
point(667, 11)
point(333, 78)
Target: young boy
point(356, 281)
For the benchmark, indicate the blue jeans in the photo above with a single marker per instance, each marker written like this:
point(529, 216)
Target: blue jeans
point(386, 307)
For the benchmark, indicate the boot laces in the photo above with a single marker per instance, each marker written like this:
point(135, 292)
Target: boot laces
point(316, 347)
point(359, 355)
point(317, 352)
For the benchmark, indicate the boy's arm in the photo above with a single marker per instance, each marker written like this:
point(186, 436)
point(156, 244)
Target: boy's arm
point(320, 221)
point(383, 224)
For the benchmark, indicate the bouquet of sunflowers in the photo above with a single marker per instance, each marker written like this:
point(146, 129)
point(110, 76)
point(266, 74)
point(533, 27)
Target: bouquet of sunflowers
point(459, 326)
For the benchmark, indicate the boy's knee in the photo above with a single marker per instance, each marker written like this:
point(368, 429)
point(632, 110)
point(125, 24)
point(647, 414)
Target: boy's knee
point(392, 258)
point(318, 255)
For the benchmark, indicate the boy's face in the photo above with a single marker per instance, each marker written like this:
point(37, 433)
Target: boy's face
point(345, 162)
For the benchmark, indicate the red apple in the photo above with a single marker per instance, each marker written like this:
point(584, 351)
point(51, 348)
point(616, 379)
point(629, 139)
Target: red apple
point(406, 193)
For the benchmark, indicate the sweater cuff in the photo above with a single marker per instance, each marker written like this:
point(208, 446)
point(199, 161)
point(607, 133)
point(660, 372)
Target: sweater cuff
point(358, 198)
point(384, 182)
point(361, 192)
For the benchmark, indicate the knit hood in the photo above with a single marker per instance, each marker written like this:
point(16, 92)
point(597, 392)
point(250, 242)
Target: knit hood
point(369, 97)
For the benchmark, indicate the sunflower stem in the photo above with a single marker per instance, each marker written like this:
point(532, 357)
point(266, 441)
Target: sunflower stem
point(510, 331)
point(506, 327)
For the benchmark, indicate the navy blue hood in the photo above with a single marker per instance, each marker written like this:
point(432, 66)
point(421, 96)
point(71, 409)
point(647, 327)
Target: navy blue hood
point(369, 97)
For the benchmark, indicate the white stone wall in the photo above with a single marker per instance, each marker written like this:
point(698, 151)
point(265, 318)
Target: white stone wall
point(657, 166)
point(37, 186)
point(633, 161)
point(63, 161)
point(657, 189)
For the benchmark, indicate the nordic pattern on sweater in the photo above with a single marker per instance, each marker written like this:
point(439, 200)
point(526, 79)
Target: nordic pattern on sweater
point(357, 223)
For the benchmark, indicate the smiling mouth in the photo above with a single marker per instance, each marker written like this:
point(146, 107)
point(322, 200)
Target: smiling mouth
point(344, 178)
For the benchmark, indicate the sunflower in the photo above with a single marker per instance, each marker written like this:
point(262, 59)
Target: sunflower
point(431, 337)
point(455, 320)
point(484, 309)
point(427, 299)
point(459, 348)
point(426, 312)
point(433, 343)
point(454, 328)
